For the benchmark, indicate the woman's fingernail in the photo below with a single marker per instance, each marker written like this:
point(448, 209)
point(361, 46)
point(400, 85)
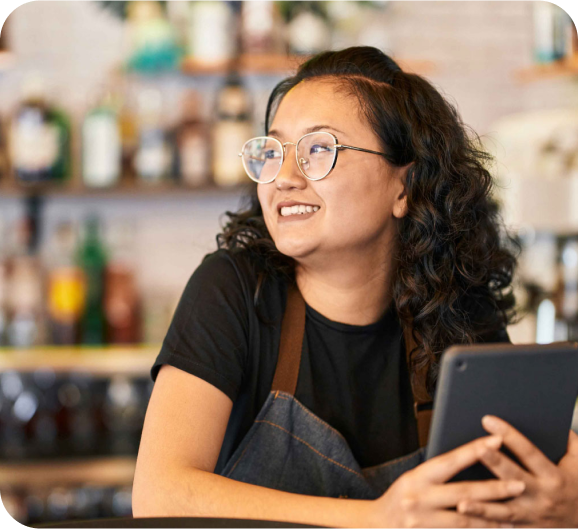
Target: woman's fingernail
point(494, 441)
point(490, 422)
point(516, 487)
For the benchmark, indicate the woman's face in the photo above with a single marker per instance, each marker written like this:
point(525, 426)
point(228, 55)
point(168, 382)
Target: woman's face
point(358, 201)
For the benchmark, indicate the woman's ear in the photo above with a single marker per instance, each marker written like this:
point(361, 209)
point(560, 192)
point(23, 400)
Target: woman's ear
point(401, 179)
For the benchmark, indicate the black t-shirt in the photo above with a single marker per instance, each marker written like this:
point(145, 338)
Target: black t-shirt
point(353, 377)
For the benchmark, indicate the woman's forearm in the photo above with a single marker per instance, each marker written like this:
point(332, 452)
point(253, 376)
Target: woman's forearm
point(182, 493)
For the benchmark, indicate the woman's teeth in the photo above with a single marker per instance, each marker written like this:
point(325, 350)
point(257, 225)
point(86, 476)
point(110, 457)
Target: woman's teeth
point(297, 210)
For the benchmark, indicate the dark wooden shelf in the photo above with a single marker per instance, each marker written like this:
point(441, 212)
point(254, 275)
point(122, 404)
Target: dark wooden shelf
point(124, 190)
point(98, 360)
point(102, 471)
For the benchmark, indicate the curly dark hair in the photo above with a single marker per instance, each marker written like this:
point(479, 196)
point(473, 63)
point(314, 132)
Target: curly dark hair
point(455, 260)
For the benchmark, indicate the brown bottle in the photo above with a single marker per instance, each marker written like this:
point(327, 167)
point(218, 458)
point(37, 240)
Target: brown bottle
point(193, 144)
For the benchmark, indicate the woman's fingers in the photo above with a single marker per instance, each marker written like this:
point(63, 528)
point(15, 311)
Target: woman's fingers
point(450, 519)
point(528, 454)
point(498, 512)
point(450, 494)
point(573, 443)
point(503, 467)
point(443, 467)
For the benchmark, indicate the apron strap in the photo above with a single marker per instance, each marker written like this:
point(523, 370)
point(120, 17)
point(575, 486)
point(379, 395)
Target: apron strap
point(292, 330)
point(289, 360)
point(422, 402)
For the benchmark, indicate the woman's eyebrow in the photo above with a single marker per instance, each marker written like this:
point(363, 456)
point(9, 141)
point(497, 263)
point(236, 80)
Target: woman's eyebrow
point(315, 128)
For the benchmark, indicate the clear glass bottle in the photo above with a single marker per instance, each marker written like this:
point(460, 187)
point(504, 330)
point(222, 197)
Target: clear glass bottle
point(101, 144)
point(212, 34)
point(153, 158)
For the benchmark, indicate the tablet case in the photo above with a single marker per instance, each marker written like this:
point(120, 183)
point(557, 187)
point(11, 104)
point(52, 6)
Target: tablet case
point(533, 387)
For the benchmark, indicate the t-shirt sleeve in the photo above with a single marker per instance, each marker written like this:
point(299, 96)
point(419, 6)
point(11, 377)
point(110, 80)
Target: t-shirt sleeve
point(208, 335)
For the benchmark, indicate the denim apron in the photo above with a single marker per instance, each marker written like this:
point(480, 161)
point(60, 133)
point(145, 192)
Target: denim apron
point(289, 448)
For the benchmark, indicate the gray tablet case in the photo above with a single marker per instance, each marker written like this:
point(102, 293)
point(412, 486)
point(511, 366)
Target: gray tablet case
point(533, 387)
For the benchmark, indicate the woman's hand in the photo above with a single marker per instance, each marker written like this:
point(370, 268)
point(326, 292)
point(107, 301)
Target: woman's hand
point(421, 498)
point(551, 495)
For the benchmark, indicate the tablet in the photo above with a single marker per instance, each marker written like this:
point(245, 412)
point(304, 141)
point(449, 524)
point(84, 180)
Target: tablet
point(534, 387)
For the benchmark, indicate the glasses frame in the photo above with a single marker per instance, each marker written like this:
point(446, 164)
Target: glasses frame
point(338, 147)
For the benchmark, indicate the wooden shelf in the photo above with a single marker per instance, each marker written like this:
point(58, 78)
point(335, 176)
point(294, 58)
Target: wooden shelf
point(104, 471)
point(124, 190)
point(247, 64)
point(281, 64)
point(558, 69)
point(103, 361)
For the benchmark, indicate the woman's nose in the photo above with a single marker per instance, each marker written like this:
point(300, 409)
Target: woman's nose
point(289, 174)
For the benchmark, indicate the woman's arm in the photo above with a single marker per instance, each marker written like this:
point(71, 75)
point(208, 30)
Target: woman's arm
point(183, 432)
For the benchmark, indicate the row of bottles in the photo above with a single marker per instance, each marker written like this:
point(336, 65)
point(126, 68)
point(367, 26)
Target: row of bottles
point(50, 415)
point(213, 33)
point(123, 144)
point(76, 292)
point(38, 505)
point(549, 277)
point(554, 33)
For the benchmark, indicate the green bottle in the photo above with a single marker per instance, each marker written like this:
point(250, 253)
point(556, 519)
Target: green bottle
point(92, 259)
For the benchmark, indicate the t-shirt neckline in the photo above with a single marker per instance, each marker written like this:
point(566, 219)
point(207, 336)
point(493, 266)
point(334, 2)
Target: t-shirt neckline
point(385, 320)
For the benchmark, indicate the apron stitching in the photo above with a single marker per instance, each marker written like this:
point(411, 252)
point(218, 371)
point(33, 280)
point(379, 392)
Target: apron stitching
point(314, 449)
point(320, 421)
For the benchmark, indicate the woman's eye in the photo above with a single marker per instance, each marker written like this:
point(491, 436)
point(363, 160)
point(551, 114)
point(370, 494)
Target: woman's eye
point(270, 154)
point(316, 149)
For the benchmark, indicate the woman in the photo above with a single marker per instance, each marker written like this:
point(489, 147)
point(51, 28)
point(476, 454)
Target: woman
point(282, 388)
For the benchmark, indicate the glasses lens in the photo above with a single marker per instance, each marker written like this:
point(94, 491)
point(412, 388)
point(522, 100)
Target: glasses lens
point(316, 154)
point(262, 158)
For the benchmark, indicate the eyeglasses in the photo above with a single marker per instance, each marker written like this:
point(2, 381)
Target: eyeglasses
point(316, 155)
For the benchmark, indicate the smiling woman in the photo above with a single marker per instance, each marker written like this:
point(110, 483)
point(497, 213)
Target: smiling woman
point(288, 378)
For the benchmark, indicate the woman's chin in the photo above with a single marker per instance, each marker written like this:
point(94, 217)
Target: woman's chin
point(297, 249)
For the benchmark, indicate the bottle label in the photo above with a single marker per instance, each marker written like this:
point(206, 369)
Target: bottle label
point(66, 294)
point(35, 144)
point(194, 160)
point(152, 160)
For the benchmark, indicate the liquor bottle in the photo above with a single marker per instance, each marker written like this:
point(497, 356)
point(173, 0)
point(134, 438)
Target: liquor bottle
point(66, 287)
point(212, 34)
point(192, 138)
point(39, 138)
point(24, 289)
point(544, 25)
point(122, 307)
point(3, 283)
point(101, 144)
point(3, 151)
point(260, 32)
point(568, 307)
point(153, 157)
point(233, 127)
point(92, 260)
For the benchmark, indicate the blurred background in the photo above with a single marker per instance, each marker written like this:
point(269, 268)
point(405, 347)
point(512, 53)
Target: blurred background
point(119, 133)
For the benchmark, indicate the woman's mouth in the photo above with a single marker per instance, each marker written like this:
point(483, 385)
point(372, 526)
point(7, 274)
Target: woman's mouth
point(293, 213)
